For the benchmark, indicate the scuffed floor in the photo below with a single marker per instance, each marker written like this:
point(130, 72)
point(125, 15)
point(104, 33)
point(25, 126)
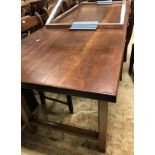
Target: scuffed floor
point(120, 131)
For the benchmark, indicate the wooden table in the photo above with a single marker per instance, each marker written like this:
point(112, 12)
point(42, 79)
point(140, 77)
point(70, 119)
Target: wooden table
point(78, 63)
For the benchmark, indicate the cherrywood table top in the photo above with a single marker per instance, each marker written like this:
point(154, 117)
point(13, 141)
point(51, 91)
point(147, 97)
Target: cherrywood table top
point(80, 63)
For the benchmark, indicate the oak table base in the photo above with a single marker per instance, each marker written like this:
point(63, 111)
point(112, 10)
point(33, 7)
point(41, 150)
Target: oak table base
point(99, 136)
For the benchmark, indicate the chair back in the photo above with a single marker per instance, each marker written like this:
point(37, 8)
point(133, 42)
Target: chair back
point(64, 6)
point(37, 6)
point(25, 10)
point(28, 22)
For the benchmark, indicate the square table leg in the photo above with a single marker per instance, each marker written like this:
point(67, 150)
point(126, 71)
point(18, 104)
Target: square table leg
point(42, 97)
point(26, 113)
point(70, 104)
point(102, 124)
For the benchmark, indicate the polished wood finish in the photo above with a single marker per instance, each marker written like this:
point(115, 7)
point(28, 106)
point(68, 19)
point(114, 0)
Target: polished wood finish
point(100, 26)
point(61, 59)
point(79, 63)
point(28, 22)
point(89, 61)
point(102, 124)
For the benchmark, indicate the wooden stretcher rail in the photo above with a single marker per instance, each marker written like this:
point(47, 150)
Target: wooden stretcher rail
point(66, 128)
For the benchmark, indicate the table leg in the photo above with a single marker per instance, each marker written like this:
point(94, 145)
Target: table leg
point(26, 113)
point(129, 29)
point(121, 72)
point(102, 124)
point(30, 99)
point(42, 97)
point(70, 104)
point(131, 60)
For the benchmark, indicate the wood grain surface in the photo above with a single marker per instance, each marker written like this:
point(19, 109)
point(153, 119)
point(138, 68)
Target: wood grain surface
point(77, 61)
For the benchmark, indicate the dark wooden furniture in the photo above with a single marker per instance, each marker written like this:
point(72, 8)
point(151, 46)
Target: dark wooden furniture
point(30, 97)
point(37, 6)
point(46, 13)
point(77, 63)
point(64, 6)
point(25, 10)
point(29, 22)
point(43, 98)
point(131, 64)
point(27, 99)
point(129, 29)
point(48, 10)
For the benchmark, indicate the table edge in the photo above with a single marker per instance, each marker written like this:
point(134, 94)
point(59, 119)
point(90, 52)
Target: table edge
point(72, 92)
